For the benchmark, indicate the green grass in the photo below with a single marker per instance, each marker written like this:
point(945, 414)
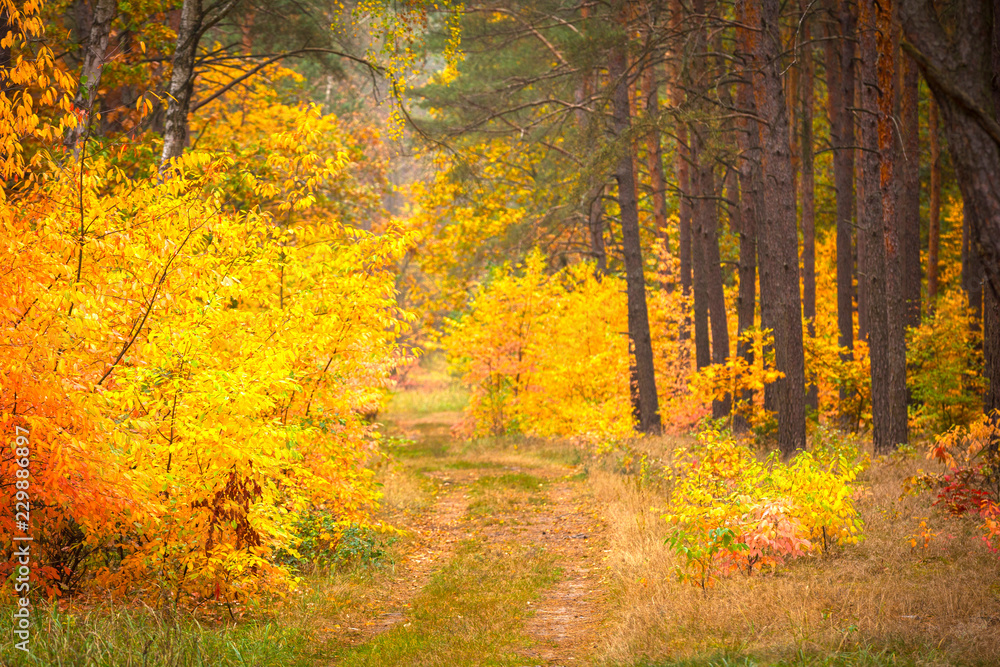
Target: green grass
point(471, 465)
point(451, 398)
point(518, 481)
point(494, 495)
point(471, 613)
point(426, 447)
point(113, 636)
point(559, 452)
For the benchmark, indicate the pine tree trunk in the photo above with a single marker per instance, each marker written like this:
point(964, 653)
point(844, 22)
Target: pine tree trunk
point(699, 264)
point(751, 188)
point(708, 234)
point(991, 293)
point(638, 315)
point(777, 238)
point(840, 89)
point(882, 252)
point(991, 350)
point(958, 64)
point(934, 214)
point(684, 215)
point(595, 228)
point(808, 201)
point(972, 269)
point(654, 158)
point(909, 208)
point(861, 214)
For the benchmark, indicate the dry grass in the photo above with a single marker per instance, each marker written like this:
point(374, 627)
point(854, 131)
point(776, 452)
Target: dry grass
point(881, 598)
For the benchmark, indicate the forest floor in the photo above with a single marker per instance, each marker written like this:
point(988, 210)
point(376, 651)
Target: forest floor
point(525, 552)
point(528, 552)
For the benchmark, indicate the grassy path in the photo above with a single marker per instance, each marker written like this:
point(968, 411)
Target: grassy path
point(502, 567)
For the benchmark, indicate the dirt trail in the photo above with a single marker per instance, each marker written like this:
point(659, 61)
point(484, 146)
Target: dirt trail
point(433, 539)
point(563, 521)
point(567, 619)
point(434, 542)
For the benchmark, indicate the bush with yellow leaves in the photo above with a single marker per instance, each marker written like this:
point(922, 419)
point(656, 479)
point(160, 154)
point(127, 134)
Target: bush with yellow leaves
point(730, 510)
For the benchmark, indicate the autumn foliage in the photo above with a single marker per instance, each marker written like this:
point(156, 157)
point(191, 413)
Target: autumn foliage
point(546, 354)
point(193, 355)
point(731, 512)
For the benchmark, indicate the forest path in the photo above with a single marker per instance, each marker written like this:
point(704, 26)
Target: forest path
point(503, 565)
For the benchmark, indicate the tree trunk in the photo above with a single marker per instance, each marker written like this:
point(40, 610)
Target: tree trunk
point(860, 201)
point(972, 269)
point(751, 189)
point(778, 246)
point(5, 29)
point(957, 64)
point(684, 212)
point(684, 215)
point(181, 86)
point(934, 217)
point(595, 228)
point(90, 71)
point(654, 158)
point(991, 294)
point(638, 315)
point(808, 200)
point(840, 89)
point(886, 344)
point(909, 205)
point(699, 264)
point(708, 237)
point(991, 350)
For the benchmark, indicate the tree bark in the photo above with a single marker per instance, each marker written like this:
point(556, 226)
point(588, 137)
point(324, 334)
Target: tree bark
point(909, 204)
point(181, 86)
point(808, 186)
point(972, 269)
point(654, 158)
point(684, 215)
point(882, 272)
point(5, 29)
point(638, 315)
point(991, 350)
point(90, 72)
point(957, 64)
point(991, 294)
point(751, 189)
point(708, 237)
point(840, 89)
point(699, 264)
point(934, 213)
point(778, 246)
point(595, 228)
point(860, 201)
